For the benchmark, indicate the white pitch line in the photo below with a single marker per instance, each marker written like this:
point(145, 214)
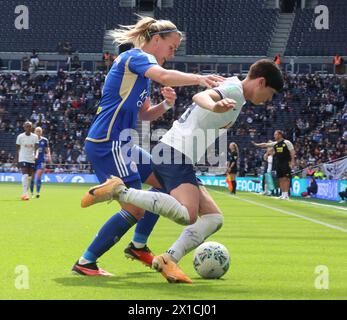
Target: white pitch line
point(324, 205)
point(328, 225)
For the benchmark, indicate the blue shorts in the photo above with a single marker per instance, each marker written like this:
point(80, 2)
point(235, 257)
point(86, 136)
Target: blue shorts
point(179, 170)
point(120, 159)
point(28, 165)
point(39, 165)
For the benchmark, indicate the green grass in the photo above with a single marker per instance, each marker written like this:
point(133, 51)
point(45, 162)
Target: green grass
point(274, 255)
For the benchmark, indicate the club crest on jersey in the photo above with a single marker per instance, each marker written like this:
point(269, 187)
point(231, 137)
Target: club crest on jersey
point(133, 166)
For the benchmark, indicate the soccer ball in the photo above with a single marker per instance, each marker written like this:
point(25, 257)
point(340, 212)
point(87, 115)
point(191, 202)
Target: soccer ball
point(211, 260)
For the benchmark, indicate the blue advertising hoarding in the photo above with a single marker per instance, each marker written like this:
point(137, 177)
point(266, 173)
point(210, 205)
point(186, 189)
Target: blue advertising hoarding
point(243, 184)
point(298, 187)
point(53, 178)
point(327, 189)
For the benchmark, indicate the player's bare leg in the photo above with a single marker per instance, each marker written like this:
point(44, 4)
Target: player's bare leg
point(284, 186)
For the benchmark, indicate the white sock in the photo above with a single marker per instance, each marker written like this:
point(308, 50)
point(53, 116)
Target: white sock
point(157, 202)
point(29, 181)
point(138, 245)
point(195, 234)
point(25, 183)
point(285, 194)
point(83, 261)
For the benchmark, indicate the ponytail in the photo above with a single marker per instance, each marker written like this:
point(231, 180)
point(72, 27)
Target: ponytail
point(143, 31)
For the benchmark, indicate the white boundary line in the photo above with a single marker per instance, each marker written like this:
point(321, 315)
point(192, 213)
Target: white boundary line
point(323, 205)
point(328, 225)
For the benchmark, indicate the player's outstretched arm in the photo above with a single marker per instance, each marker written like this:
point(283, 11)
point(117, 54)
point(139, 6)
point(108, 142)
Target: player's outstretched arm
point(173, 78)
point(49, 155)
point(211, 100)
point(262, 145)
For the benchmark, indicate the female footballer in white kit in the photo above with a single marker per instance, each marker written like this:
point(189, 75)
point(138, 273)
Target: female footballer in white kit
point(27, 144)
point(213, 109)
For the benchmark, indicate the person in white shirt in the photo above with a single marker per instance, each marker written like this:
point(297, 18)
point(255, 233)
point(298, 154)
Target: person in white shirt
point(212, 111)
point(268, 183)
point(27, 144)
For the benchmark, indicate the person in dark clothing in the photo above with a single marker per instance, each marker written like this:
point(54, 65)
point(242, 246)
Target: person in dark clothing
point(284, 161)
point(313, 187)
point(343, 196)
point(233, 156)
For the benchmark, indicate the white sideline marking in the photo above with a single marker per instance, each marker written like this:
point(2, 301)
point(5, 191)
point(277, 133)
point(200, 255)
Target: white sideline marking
point(323, 205)
point(328, 225)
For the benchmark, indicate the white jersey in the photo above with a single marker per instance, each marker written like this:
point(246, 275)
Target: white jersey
point(269, 164)
point(198, 128)
point(27, 147)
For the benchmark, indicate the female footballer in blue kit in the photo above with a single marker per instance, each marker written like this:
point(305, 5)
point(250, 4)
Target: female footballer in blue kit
point(126, 96)
point(185, 201)
point(43, 149)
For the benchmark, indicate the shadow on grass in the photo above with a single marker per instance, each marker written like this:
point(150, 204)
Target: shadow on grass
point(140, 281)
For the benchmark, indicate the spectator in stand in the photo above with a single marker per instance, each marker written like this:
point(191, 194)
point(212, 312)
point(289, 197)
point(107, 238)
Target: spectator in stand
point(3, 157)
point(343, 196)
point(319, 174)
point(311, 189)
point(277, 59)
point(107, 59)
point(67, 48)
point(25, 64)
point(34, 60)
point(338, 64)
point(76, 63)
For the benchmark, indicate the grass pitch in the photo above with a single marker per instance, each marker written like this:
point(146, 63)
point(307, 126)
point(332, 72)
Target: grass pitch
point(276, 249)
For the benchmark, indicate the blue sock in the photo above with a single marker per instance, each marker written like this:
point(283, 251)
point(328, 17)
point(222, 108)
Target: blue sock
point(38, 185)
point(145, 226)
point(109, 235)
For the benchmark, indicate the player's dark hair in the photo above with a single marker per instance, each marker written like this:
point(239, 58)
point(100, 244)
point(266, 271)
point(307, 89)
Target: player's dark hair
point(270, 71)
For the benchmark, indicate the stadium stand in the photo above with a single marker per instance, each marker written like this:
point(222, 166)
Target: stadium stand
point(312, 110)
point(229, 27)
point(80, 22)
point(238, 27)
point(306, 40)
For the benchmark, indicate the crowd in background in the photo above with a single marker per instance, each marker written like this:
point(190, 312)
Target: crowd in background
point(312, 110)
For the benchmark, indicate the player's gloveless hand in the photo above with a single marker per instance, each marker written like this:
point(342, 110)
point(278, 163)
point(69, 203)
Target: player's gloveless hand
point(169, 95)
point(211, 81)
point(224, 105)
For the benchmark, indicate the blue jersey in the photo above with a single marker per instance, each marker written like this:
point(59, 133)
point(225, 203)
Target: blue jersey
point(125, 90)
point(43, 144)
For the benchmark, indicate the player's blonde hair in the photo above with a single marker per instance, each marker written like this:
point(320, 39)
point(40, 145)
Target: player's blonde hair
point(143, 31)
point(39, 129)
point(236, 148)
